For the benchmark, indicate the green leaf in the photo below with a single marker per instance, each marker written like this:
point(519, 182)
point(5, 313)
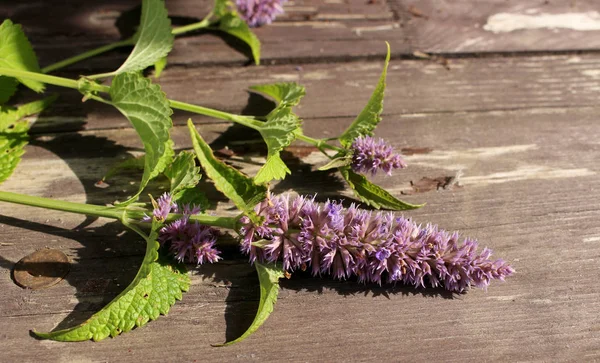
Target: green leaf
point(183, 172)
point(273, 169)
point(147, 108)
point(372, 194)
point(9, 115)
point(13, 133)
point(278, 131)
point(155, 288)
point(230, 22)
point(159, 66)
point(268, 276)
point(369, 117)
point(285, 93)
point(16, 53)
point(337, 162)
point(153, 40)
point(239, 188)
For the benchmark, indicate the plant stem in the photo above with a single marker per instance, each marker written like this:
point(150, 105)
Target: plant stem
point(53, 80)
point(205, 23)
point(195, 26)
point(247, 121)
point(243, 120)
point(85, 55)
point(320, 143)
point(79, 208)
point(109, 212)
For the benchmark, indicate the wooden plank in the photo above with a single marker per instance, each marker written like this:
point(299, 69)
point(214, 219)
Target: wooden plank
point(315, 31)
point(96, 24)
point(464, 26)
point(412, 87)
point(520, 180)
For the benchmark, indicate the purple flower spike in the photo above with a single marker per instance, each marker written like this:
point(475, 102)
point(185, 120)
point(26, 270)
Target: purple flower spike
point(188, 241)
point(372, 154)
point(375, 247)
point(259, 12)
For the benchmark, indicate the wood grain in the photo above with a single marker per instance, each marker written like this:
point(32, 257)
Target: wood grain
point(503, 148)
point(544, 222)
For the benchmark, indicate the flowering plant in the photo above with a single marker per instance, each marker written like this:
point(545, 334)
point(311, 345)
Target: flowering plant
point(279, 233)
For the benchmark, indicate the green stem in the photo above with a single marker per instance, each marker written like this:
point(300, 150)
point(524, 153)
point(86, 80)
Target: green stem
point(320, 143)
point(247, 121)
point(205, 23)
point(109, 212)
point(53, 80)
point(79, 208)
point(90, 53)
point(243, 120)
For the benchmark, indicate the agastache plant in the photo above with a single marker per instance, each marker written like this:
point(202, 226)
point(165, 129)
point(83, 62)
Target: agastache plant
point(280, 234)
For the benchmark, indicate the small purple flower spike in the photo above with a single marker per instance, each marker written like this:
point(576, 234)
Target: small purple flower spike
point(375, 247)
point(372, 154)
point(259, 12)
point(188, 241)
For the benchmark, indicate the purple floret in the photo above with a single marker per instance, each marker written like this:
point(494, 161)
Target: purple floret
point(188, 241)
point(259, 12)
point(375, 247)
point(371, 155)
point(163, 206)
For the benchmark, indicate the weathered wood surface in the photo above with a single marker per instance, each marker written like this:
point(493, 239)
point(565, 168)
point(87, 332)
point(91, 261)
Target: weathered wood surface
point(521, 134)
point(322, 31)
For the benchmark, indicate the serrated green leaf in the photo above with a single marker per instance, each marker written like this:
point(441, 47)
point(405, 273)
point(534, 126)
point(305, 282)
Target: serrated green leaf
point(280, 128)
point(370, 116)
point(159, 66)
point(273, 169)
point(13, 133)
point(12, 147)
point(147, 108)
point(8, 87)
point(155, 288)
point(285, 93)
point(9, 115)
point(278, 131)
point(153, 40)
point(232, 24)
point(337, 162)
point(183, 172)
point(372, 194)
point(239, 188)
point(16, 53)
point(268, 276)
